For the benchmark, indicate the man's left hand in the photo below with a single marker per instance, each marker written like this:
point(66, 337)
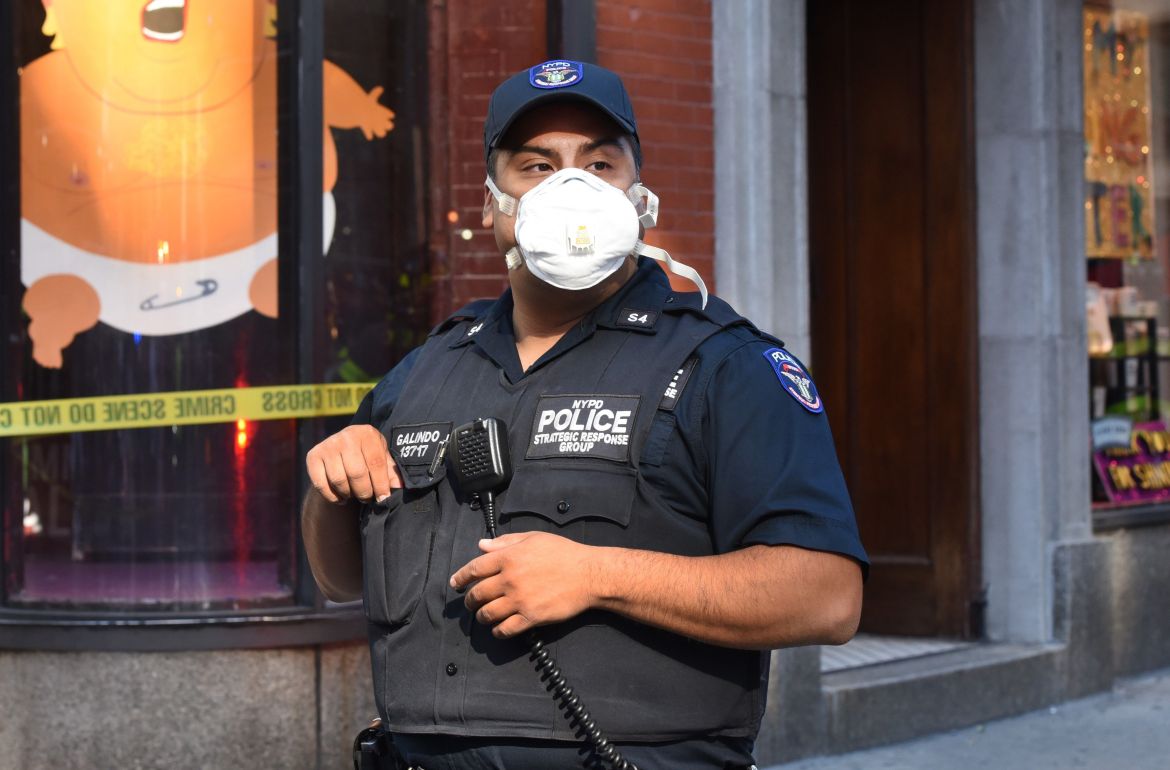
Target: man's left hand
point(527, 579)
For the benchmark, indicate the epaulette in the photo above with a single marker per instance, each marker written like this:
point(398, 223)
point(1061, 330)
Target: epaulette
point(748, 332)
point(468, 312)
point(717, 311)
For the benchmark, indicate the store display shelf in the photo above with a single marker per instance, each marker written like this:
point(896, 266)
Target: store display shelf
point(1110, 516)
point(1126, 356)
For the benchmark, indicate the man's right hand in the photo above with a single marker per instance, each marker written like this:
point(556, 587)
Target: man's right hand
point(353, 464)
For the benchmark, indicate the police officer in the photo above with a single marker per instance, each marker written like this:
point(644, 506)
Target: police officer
point(675, 509)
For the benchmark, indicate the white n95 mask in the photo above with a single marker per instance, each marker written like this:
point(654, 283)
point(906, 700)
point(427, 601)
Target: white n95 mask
point(574, 230)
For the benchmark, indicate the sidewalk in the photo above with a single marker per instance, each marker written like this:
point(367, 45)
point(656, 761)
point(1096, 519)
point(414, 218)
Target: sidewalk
point(1126, 729)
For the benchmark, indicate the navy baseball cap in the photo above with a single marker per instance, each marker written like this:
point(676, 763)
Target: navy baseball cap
point(557, 80)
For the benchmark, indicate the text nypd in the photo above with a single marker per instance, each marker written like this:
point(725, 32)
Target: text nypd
point(598, 426)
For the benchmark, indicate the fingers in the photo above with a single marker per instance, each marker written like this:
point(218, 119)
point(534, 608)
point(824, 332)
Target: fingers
point(382, 473)
point(495, 611)
point(357, 473)
point(513, 625)
point(488, 545)
point(376, 93)
point(484, 594)
point(476, 569)
point(352, 463)
point(316, 467)
point(500, 612)
point(378, 123)
point(335, 476)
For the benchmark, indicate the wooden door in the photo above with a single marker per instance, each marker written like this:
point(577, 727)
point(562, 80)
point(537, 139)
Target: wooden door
point(894, 296)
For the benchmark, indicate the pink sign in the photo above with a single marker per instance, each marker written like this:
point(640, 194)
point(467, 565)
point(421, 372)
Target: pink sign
point(1139, 471)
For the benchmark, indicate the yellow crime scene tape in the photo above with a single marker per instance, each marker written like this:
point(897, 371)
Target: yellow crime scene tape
point(188, 407)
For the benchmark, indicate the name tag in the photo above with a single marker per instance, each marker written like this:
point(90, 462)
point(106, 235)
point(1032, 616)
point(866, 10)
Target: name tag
point(418, 444)
point(583, 426)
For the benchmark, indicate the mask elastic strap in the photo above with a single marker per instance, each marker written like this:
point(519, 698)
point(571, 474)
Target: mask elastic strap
point(649, 217)
point(507, 206)
point(507, 202)
point(678, 268)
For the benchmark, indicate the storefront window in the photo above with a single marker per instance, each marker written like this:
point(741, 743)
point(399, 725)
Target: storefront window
point(152, 339)
point(1127, 237)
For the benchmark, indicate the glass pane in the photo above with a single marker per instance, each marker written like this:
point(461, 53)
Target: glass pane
point(1127, 240)
point(378, 281)
point(149, 264)
point(148, 150)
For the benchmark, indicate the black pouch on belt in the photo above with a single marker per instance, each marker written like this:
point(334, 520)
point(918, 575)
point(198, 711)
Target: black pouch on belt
point(373, 750)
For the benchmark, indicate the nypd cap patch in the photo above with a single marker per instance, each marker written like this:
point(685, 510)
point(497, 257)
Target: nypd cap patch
point(794, 379)
point(556, 74)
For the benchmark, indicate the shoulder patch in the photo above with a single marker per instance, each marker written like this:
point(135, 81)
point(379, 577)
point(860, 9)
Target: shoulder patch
point(794, 379)
point(556, 74)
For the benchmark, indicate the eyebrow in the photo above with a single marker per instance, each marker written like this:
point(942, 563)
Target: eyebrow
point(605, 141)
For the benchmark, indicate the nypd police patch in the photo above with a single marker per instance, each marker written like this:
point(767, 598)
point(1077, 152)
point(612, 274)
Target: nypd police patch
point(794, 379)
point(556, 74)
point(584, 426)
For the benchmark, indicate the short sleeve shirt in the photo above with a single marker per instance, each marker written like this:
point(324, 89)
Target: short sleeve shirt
point(746, 455)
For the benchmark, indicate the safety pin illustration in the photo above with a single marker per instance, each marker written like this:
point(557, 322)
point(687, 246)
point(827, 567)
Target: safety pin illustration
point(209, 286)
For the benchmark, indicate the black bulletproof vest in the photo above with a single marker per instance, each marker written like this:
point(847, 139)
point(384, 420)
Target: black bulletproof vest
point(579, 426)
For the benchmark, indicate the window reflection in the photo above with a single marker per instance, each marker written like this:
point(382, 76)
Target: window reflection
point(1126, 62)
point(149, 251)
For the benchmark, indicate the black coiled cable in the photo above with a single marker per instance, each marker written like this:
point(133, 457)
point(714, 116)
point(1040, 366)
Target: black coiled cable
point(568, 701)
point(573, 708)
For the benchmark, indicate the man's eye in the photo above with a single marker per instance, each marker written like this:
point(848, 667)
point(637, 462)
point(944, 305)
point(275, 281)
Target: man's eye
point(540, 167)
point(598, 166)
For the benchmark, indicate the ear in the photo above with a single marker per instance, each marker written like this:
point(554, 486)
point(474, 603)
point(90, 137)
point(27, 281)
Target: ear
point(489, 210)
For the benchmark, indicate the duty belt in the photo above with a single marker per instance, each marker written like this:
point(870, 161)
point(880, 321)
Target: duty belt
point(373, 750)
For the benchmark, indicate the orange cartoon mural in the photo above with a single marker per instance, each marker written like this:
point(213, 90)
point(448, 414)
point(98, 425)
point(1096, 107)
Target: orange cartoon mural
point(148, 166)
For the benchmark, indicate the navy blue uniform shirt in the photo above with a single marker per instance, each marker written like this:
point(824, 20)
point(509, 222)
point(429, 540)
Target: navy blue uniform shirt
point(746, 456)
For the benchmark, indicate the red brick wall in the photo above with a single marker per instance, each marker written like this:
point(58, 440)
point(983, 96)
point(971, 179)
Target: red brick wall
point(663, 52)
point(474, 46)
